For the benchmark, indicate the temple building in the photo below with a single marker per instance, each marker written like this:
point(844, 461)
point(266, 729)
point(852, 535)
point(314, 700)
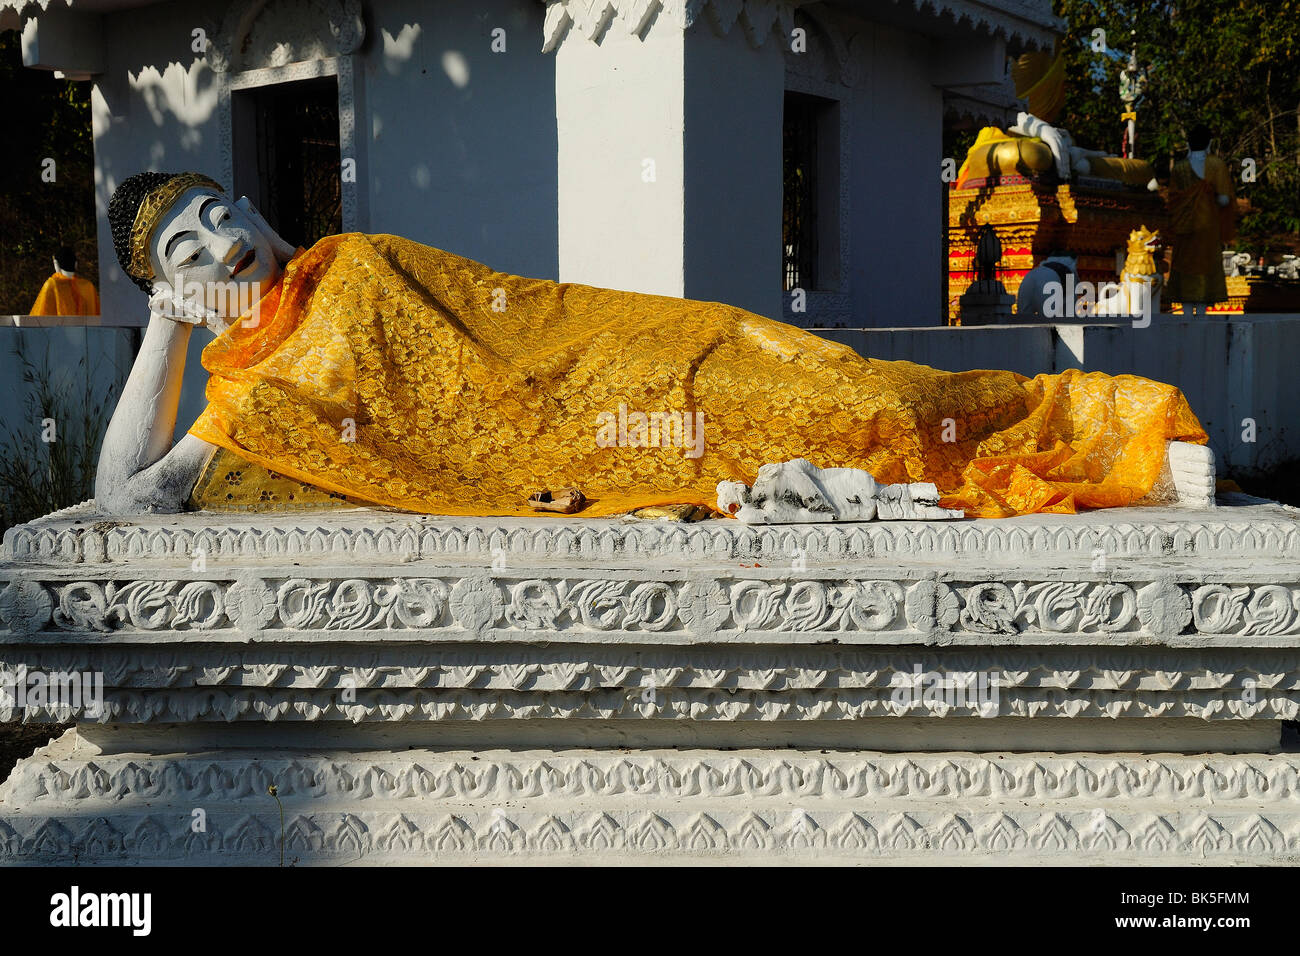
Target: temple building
point(733, 150)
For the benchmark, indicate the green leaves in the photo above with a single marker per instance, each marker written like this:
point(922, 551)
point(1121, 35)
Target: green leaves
point(1231, 65)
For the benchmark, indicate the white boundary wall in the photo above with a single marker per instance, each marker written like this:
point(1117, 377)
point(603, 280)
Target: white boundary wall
point(1230, 370)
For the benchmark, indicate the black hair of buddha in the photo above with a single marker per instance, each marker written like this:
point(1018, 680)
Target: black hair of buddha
point(1199, 137)
point(66, 258)
point(122, 209)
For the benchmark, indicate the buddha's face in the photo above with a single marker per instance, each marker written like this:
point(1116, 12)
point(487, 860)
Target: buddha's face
point(209, 251)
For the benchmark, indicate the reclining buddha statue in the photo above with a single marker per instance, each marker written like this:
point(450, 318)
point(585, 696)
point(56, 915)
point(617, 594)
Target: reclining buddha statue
point(373, 370)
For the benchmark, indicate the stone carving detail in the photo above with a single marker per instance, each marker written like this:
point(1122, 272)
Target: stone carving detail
point(476, 603)
point(1029, 22)
point(1162, 608)
point(305, 30)
point(24, 606)
point(76, 535)
point(566, 803)
point(930, 605)
point(593, 18)
point(700, 704)
point(989, 609)
point(1206, 672)
point(331, 836)
point(250, 604)
point(871, 776)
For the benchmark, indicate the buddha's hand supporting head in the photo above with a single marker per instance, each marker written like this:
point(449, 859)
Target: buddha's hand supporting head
point(202, 257)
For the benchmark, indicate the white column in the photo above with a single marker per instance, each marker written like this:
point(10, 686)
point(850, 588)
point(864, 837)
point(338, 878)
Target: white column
point(669, 139)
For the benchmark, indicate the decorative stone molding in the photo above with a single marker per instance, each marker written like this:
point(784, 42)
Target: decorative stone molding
point(550, 605)
point(697, 705)
point(1029, 22)
point(594, 18)
point(316, 638)
point(833, 53)
point(497, 777)
point(1026, 22)
point(702, 806)
point(255, 34)
point(259, 44)
point(590, 667)
point(79, 535)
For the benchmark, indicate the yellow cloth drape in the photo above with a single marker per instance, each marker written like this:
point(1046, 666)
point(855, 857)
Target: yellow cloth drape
point(1039, 78)
point(67, 295)
point(1200, 227)
point(398, 374)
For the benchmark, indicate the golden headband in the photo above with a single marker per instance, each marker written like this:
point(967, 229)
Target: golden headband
point(152, 208)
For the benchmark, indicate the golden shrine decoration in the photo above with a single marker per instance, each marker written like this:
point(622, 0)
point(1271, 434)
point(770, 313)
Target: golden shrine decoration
point(1034, 216)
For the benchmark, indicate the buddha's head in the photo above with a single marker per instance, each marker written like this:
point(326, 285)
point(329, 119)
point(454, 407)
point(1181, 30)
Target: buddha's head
point(181, 230)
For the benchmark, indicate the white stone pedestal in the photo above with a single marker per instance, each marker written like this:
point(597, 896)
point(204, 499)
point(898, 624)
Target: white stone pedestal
point(428, 690)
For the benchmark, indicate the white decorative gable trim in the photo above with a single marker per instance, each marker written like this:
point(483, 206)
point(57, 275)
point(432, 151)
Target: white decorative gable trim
point(346, 30)
point(594, 18)
point(1029, 22)
point(1023, 21)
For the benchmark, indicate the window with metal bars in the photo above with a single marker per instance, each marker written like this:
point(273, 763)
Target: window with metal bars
point(799, 194)
point(810, 193)
point(288, 162)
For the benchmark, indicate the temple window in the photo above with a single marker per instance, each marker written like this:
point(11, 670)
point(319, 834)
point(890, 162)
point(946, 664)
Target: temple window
point(810, 193)
point(286, 147)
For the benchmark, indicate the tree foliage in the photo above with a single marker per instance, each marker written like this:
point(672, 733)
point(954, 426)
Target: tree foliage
point(51, 120)
point(1231, 64)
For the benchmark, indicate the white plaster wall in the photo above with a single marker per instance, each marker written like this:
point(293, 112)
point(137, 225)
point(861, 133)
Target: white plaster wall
point(1027, 349)
point(1229, 370)
point(154, 107)
point(99, 357)
point(462, 140)
point(1273, 398)
point(896, 213)
point(461, 149)
point(618, 104)
point(732, 230)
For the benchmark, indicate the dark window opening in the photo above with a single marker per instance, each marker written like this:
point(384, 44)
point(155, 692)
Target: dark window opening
point(287, 160)
point(810, 193)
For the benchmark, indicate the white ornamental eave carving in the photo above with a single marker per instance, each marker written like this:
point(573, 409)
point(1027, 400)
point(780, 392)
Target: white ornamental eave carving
point(1025, 21)
point(594, 18)
point(28, 8)
point(344, 17)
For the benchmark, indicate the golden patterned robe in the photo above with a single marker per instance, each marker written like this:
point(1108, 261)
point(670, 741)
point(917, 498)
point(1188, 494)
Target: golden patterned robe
point(391, 372)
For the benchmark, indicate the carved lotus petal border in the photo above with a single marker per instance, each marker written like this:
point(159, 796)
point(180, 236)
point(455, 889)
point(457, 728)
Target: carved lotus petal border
point(602, 803)
point(1268, 532)
point(1087, 779)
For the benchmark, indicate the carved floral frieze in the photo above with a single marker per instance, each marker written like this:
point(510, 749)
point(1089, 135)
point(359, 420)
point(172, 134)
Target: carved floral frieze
point(699, 606)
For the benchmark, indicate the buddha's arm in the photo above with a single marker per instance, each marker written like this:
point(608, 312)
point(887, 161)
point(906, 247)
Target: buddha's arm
point(139, 470)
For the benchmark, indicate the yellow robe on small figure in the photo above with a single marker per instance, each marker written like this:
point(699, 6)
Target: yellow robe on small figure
point(1200, 227)
point(67, 295)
